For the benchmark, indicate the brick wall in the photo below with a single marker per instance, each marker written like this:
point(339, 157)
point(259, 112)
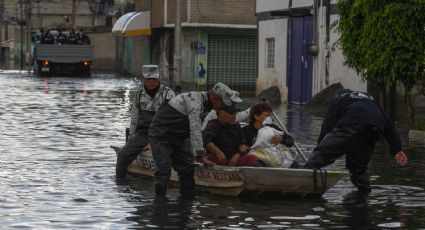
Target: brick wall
point(142, 5)
point(224, 12)
point(171, 11)
point(157, 13)
point(206, 11)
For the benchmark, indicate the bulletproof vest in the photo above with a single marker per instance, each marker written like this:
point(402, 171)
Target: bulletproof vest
point(149, 105)
point(72, 39)
point(61, 38)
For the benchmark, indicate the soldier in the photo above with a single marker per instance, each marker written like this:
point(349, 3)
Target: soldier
point(352, 126)
point(146, 102)
point(176, 121)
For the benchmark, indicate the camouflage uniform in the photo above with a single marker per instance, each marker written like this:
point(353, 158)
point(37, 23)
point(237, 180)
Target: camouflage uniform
point(175, 121)
point(142, 112)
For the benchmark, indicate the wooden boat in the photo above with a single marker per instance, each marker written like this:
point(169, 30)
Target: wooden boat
point(236, 181)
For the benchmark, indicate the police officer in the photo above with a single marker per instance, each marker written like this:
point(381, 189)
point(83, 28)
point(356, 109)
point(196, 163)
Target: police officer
point(177, 120)
point(84, 38)
point(72, 38)
point(146, 102)
point(352, 126)
point(61, 38)
point(47, 38)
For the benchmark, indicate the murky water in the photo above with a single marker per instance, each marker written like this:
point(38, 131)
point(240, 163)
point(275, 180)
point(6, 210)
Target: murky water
point(57, 170)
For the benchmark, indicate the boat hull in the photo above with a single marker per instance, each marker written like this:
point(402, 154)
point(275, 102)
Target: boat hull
point(235, 181)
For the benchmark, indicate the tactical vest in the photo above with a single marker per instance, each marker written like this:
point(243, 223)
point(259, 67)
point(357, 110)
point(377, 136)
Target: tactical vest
point(147, 106)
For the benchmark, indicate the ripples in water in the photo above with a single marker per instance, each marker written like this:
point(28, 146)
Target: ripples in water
point(57, 170)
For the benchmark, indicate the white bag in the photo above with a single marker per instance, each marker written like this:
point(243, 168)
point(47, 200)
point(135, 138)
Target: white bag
point(279, 157)
point(264, 137)
point(271, 154)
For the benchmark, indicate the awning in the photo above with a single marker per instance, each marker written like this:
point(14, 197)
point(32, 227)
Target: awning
point(133, 24)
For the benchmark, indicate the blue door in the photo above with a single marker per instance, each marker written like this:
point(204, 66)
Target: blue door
point(300, 63)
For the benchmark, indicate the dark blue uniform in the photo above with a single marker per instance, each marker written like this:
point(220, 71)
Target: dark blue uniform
point(352, 126)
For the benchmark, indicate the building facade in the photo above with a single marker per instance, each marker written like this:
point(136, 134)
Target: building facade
point(218, 43)
point(295, 49)
point(21, 19)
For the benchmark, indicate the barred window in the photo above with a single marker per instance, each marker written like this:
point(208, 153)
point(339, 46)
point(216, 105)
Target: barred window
point(270, 53)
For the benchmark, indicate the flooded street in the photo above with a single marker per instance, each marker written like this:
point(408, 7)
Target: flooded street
point(57, 170)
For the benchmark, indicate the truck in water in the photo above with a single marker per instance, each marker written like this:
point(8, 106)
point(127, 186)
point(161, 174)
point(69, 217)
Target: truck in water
point(58, 59)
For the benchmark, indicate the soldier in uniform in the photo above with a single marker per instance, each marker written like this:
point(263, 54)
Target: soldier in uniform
point(352, 126)
point(146, 102)
point(177, 120)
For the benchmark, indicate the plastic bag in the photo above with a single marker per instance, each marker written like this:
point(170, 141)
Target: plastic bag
point(264, 137)
point(274, 156)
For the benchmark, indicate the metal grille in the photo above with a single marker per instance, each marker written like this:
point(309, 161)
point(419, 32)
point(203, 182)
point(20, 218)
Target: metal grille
point(232, 60)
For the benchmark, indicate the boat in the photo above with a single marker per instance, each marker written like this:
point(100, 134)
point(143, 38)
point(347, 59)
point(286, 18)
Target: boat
point(239, 181)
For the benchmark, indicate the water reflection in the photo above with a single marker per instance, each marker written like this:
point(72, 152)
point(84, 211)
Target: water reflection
point(358, 211)
point(57, 170)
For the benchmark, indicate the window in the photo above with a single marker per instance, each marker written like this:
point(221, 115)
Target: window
point(270, 53)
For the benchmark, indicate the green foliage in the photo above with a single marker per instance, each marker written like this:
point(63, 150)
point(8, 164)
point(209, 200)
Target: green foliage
point(384, 40)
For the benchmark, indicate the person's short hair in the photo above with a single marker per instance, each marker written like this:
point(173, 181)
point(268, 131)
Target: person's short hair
point(227, 95)
point(258, 109)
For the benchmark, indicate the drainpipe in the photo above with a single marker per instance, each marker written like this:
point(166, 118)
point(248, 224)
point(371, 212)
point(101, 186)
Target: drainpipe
point(315, 21)
point(29, 36)
point(74, 9)
point(328, 34)
point(177, 46)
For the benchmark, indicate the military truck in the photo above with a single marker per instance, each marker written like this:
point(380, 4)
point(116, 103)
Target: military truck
point(55, 59)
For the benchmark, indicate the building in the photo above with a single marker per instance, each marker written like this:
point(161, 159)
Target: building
point(20, 19)
point(295, 41)
point(218, 42)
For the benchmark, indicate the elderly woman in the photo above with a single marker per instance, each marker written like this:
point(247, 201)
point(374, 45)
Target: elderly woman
point(259, 117)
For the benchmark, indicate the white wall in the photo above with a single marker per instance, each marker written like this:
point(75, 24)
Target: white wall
point(277, 28)
point(103, 51)
point(302, 3)
point(275, 5)
point(271, 5)
point(338, 72)
point(273, 77)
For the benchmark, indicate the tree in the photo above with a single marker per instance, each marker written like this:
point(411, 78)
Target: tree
point(384, 41)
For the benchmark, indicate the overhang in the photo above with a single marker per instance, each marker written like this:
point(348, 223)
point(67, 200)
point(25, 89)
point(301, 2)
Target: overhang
point(133, 24)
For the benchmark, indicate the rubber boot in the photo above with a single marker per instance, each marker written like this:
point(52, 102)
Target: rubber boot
point(160, 190)
point(361, 180)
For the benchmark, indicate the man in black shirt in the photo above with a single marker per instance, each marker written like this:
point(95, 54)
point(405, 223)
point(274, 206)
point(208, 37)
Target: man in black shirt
point(352, 126)
point(225, 142)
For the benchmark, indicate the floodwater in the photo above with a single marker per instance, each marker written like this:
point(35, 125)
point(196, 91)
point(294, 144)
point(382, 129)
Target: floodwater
point(57, 170)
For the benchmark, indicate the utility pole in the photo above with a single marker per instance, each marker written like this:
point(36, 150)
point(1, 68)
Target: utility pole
point(1, 22)
point(177, 47)
point(21, 21)
point(29, 37)
point(74, 10)
point(1, 30)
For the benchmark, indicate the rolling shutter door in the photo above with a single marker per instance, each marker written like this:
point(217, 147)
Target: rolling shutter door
point(232, 60)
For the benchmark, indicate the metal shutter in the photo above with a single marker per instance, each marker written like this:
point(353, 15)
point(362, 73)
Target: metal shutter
point(232, 60)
